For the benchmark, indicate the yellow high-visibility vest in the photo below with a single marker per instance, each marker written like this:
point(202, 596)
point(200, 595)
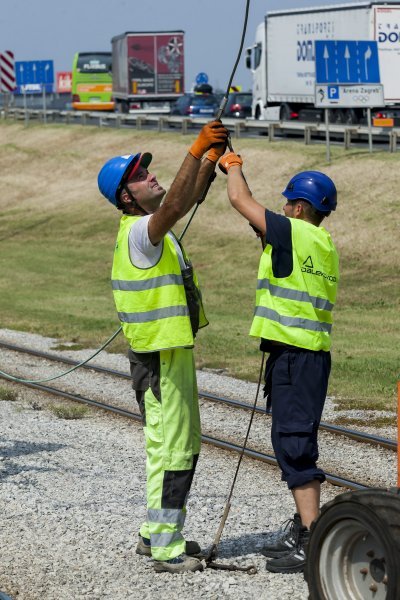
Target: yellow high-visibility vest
point(297, 310)
point(151, 303)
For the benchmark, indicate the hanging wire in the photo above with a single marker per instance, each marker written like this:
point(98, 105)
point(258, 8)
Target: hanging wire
point(225, 98)
point(19, 379)
point(219, 114)
point(214, 548)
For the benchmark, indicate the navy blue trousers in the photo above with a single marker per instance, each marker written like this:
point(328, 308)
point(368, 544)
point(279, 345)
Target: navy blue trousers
point(296, 383)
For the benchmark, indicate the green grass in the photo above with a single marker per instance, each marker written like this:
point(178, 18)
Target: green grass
point(7, 395)
point(57, 245)
point(376, 422)
point(69, 412)
point(62, 347)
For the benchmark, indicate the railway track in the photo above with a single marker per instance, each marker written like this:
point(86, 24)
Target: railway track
point(329, 427)
point(219, 443)
point(212, 435)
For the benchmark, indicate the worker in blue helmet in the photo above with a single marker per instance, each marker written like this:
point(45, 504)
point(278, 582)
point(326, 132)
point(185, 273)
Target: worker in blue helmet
point(296, 292)
point(159, 305)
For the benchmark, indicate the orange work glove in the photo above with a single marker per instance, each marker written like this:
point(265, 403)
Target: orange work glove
point(230, 160)
point(215, 152)
point(212, 133)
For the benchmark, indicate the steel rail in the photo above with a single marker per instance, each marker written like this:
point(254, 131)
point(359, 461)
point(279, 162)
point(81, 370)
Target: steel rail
point(221, 444)
point(361, 437)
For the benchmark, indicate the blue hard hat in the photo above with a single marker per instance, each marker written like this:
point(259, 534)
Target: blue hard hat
point(315, 187)
point(116, 171)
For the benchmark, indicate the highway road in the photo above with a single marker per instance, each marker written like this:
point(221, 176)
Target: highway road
point(58, 109)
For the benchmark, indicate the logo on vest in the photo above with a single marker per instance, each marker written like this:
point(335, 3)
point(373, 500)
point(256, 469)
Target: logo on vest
point(308, 262)
point(308, 267)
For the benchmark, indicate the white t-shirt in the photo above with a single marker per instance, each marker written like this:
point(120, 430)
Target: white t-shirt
point(142, 252)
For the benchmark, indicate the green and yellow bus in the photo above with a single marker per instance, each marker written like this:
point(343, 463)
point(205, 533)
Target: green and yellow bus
point(92, 81)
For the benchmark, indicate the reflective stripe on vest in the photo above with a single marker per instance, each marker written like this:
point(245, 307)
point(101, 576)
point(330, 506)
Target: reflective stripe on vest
point(281, 292)
point(151, 303)
point(149, 284)
point(154, 315)
point(268, 313)
point(297, 310)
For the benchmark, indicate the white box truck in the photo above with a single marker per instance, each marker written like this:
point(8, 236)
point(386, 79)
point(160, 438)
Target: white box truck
point(282, 59)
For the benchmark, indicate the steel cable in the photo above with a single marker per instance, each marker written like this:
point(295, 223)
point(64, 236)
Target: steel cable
point(13, 378)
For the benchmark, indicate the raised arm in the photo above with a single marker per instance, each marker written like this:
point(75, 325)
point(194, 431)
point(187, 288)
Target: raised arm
point(239, 194)
point(189, 182)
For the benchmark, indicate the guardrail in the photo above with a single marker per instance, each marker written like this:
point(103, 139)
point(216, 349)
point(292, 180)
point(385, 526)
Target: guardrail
point(238, 127)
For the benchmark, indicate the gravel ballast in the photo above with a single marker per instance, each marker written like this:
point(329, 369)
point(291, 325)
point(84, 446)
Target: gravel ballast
point(72, 499)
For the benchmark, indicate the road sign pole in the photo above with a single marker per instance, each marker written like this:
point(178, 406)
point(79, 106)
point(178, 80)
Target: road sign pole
point(327, 139)
point(369, 128)
point(44, 104)
point(25, 110)
point(6, 100)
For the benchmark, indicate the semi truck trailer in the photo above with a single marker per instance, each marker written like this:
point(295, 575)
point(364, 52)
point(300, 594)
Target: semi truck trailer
point(282, 58)
point(147, 69)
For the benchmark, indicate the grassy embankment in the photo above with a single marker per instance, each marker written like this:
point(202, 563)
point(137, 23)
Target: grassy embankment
point(57, 236)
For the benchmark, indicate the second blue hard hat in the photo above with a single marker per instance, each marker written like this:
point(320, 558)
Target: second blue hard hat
point(116, 172)
point(315, 187)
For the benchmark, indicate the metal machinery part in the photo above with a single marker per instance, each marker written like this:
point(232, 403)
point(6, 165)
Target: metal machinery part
point(354, 548)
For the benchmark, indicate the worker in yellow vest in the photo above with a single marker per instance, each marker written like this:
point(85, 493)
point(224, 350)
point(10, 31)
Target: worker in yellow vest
point(160, 308)
point(296, 291)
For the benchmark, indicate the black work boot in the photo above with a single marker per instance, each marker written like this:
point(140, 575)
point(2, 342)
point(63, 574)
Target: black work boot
point(286, 542)
point(296, 559)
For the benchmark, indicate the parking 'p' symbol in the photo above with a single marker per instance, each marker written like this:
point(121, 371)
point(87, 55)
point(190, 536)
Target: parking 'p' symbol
point(333, 92)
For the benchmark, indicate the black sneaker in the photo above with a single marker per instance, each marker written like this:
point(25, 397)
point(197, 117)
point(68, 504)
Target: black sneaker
point(294, 561)
point(287, 541)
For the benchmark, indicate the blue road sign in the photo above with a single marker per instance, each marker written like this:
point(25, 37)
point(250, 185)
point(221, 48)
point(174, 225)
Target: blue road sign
point(201, 78)
point(346, 62)
point(333, 92)
point(34, 75)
